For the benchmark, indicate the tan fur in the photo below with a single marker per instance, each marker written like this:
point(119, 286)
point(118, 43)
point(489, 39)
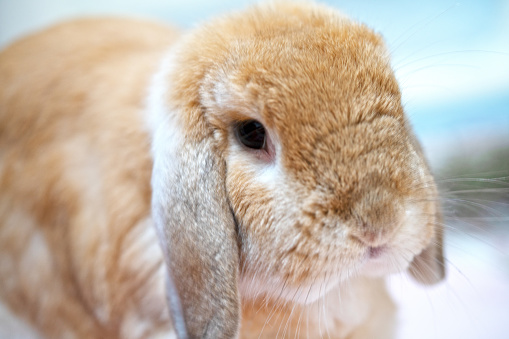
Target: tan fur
point(75, 168)
point(79, 256)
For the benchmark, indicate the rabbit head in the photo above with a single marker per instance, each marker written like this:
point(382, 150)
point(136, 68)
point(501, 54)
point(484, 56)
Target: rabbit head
point(283, 165)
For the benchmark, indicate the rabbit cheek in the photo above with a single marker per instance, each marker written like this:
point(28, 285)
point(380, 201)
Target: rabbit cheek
point(284, 260)
point(271, 264)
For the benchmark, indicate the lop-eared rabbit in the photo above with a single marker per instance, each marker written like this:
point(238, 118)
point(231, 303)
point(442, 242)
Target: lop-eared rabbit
point(254, 178)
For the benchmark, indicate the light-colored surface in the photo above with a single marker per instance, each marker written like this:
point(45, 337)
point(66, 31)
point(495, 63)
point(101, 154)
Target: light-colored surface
point(11, 327)
point(452, 59)
point(471, 304)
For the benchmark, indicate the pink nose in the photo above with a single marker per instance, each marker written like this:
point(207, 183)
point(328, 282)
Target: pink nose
point(371, 237)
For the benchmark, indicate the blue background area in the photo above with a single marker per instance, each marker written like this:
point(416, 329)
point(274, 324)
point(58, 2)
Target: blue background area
point(451, 57)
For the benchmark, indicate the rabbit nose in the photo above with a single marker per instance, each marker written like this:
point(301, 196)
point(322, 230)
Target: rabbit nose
point(376, 214)
point(370, 236)
point(376, 244)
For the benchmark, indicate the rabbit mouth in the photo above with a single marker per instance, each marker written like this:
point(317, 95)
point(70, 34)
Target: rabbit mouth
point(370, 261)
point(383, 260)
point(375, 252)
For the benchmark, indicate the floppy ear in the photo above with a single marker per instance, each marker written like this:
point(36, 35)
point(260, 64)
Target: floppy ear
point(429, 266)
point(197, 232)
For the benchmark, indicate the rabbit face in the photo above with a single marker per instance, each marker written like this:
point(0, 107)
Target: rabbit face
point(339, 187)
point(290, 165)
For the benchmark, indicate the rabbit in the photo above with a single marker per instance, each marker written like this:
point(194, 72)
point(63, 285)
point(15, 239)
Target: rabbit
point(255, 177)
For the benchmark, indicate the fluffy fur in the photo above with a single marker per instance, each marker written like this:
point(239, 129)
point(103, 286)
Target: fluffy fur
point(118, 187)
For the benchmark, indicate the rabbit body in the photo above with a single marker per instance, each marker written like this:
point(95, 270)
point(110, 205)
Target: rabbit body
point(79, 257)
point(79, 254)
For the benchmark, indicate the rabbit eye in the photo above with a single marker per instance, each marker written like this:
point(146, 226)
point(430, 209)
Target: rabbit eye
point(251, 133)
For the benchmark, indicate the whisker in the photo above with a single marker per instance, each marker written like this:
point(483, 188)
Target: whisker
point(291, 312)
point(307, 322)
point(398, 67)
point(322, 297)
point(297, 333)
point(288, 319)
point(425, 23)
point(472, 204)
point(500, 180)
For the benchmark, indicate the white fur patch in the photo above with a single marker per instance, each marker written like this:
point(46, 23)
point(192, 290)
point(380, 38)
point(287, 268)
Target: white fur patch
point(275, 288)
point(166, 136)
point(270, 175)
point(162, 124)
point(156, 111)
point(13, 327)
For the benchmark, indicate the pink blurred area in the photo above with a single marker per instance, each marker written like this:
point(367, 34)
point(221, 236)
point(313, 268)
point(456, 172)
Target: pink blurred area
point(472, 303)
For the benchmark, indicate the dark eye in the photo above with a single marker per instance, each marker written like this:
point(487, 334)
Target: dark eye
point(251, 133)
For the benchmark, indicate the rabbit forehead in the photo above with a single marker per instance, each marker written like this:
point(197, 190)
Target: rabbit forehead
point(290, 58)
point(312, 76)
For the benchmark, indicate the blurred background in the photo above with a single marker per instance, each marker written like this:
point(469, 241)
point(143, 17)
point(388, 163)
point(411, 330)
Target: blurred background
point(452, 61)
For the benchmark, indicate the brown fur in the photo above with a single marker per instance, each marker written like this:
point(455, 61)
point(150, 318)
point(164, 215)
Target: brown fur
point(79, 255)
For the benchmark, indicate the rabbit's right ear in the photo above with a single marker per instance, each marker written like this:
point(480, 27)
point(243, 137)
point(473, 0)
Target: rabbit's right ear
point(197, 230)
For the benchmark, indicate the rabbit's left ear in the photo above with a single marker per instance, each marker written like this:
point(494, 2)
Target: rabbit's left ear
point(197, 231)
point(429, 266)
